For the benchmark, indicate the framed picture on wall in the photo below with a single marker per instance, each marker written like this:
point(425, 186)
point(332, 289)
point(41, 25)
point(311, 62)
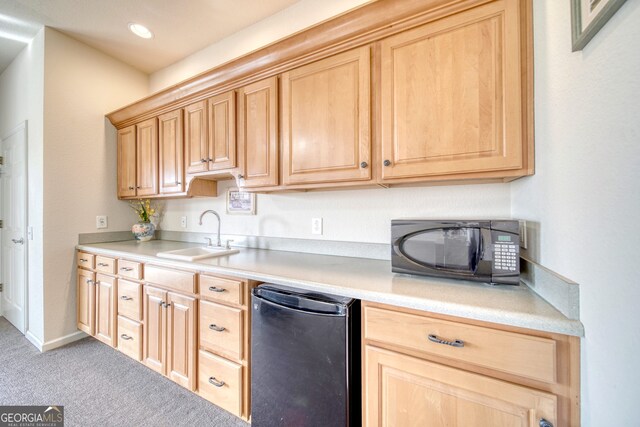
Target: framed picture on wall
point(241, 202)
point(588, 17)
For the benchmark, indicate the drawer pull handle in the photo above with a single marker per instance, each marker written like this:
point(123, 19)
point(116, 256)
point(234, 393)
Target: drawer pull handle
point(545, 423)
point(126, 268)
point(126, 337)
point(90, 282)
point(125, 298)
point(102, 264)
point(215, 382)
point(84, 260)
point(454, 343)
point(216, 328)
point(216, 289)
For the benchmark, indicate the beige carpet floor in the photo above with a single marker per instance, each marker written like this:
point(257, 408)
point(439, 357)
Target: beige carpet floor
point(98, 386)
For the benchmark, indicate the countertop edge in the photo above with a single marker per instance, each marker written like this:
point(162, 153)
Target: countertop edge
point(507, 318)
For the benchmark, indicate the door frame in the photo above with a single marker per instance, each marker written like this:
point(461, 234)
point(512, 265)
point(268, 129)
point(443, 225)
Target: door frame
point(22, 127)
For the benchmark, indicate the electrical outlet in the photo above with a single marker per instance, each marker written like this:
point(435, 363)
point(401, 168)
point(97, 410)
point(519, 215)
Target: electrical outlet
point(523, 234)
point(316, 225)
point(101, 221)
point(183, 221)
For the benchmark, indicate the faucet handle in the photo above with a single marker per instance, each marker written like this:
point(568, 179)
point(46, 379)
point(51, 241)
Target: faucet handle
point(208, 239)
point(228, 244)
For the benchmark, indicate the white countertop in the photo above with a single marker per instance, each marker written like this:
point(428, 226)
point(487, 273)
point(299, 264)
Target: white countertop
point(366, 279)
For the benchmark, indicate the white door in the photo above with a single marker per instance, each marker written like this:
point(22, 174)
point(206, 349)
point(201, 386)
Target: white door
point(13, 209)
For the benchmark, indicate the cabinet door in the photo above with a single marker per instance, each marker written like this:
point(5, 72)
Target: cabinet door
point(258, 133)
point(451, 95)
point(155, 320)
point(195, 137)
point(127, 162)
point(405, 391)
point(326, 120)
point(106, 294)
point(147, 158)
point(222, 131)
point(171, 152)
point(86, 301)
point(181, 340)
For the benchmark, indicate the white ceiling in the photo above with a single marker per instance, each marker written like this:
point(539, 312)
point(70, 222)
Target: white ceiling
point(181, 27)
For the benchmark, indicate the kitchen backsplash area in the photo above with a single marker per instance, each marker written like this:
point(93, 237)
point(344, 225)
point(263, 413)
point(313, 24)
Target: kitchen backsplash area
point(360, 215)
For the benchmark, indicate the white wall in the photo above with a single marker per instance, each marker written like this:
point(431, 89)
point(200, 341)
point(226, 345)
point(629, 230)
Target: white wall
point(361, 215)
point(81, 85)
point(585, 195)
point(21, 88)
point(296, 17)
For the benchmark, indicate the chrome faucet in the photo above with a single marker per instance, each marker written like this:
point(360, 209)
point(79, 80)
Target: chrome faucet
point(217, 216)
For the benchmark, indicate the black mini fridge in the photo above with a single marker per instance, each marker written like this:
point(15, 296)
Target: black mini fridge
point(305, 358)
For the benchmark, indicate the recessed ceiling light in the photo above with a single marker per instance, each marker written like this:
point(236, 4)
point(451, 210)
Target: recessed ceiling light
point(140, 30)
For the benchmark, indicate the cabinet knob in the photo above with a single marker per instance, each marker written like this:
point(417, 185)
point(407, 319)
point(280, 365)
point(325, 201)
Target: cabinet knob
point(210, 159)
point(240, 176)
point(90, 282)
point(364, 165)
point(387, 163)
point(545, 423)
point(178, 183)
point(215, 382)
point(203, 160)
point(138, 187)
point(131, 187)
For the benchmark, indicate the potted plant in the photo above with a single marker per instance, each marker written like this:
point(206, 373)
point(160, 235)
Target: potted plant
point(144, 229)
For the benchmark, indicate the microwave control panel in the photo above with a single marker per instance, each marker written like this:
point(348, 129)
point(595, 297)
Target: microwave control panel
point(506, 254)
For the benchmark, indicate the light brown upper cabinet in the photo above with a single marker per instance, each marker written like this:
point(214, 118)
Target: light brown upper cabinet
point(195, 131)
point(452, 95)
point(326, 120)
point(127, 162)
point(258, 133)
point(222, 131)
point(147, 158)
point(171, 152)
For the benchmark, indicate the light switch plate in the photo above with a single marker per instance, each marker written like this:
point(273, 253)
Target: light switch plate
point(101, 221)
point(183, 221)
point(316, 225)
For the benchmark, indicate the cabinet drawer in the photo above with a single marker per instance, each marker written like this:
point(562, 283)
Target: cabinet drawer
point(105, 265)
point(130, 299)
point(86, 260)
point(130, 269)
point(220, 382)
point(510, 352)
point(221, 329)
point(130, 338)
point(221, 289)
point(178, 280)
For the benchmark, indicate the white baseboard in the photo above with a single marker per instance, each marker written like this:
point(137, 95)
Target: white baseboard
point(34, 340)
point(58, 342)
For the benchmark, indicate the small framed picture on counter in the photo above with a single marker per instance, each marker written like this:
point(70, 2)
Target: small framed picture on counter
point(241, 202)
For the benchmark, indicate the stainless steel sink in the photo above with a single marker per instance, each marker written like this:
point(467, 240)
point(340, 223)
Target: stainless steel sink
point(197, 253)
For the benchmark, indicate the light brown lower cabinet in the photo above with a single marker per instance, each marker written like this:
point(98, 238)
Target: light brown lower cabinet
point(407, 391)
point(220, 382)
point(170, 335)
point(96, 305)
point(106, 310)
point(424, 370)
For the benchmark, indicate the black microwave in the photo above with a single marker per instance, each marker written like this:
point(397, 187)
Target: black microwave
point(484, 250)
